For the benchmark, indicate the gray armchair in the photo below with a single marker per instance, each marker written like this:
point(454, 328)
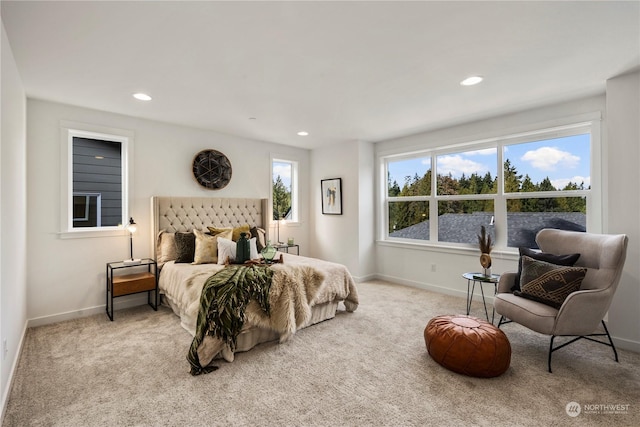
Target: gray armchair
point(582, 311)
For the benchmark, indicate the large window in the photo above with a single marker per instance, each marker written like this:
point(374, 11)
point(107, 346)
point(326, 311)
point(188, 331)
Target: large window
point(514, 186)
point(284, 195)
point(96, 181)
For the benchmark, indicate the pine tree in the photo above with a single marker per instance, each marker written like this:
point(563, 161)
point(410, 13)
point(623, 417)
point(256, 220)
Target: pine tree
point(281, 199)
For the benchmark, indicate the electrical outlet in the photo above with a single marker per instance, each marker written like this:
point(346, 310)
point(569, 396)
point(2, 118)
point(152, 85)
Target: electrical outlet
point(433, 268)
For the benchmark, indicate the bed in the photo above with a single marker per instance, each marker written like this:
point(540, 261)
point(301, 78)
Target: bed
point(322, 285)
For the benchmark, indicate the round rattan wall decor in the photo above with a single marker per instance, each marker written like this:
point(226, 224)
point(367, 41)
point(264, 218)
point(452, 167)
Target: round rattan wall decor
point(212, 169)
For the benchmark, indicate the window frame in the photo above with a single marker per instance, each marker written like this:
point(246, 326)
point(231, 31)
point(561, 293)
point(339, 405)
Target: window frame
point(69, 130)
point(587, 123)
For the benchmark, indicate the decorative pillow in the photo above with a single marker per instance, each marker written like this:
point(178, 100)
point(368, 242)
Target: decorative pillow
point(185, 247)
point(548, 283)
point(216, 230)
point(206, 251)
point(242, 229)
point(261, 237)
point(236, 231)
point(165, 247)
point(226, 250)
point(253, 248)
point(566, 260)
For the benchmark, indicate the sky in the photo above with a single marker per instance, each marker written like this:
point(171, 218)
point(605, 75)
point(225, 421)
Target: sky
point(562, 160)
point(284, 170)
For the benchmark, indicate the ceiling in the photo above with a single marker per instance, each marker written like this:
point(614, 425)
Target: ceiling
point(342, 71)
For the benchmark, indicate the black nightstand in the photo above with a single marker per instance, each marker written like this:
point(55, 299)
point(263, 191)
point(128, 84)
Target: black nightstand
point(283, 247)
point(140, 277)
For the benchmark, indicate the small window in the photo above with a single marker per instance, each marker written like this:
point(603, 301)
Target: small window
point(96, 181)
point(284, 194)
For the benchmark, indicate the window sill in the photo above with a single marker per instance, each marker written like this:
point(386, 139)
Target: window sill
point(87, 234)
point(507, 254)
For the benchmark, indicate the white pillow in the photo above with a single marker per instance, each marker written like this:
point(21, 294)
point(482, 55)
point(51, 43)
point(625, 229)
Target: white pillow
point(226, 250)
point(253, 248)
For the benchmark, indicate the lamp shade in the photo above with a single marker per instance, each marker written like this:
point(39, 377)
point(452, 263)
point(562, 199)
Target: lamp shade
point(132, 226)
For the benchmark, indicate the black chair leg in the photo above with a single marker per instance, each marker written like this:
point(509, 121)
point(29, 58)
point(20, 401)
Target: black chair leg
point(615, 353)
point(503, 321)
point(550, 351)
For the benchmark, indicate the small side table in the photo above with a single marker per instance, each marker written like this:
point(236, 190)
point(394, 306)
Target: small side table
point(472, 279)
point(143, 277)
point(285, 247)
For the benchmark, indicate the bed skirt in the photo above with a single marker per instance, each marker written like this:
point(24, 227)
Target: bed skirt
point(254, 335)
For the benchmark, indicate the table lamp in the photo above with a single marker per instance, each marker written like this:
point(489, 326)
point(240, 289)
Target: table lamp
point(131, 228)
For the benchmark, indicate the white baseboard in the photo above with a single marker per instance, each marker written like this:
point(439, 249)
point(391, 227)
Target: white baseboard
point(626, 344)
point(425, 286)
point(118, 304)
point(360, 279)
point(12, 371)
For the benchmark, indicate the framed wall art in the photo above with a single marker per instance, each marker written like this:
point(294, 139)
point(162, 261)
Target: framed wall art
point(331, 196)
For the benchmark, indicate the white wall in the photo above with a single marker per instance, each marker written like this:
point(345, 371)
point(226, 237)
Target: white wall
point(13, 210)
point(66, 277)
point(347, 238)
point(623, 158)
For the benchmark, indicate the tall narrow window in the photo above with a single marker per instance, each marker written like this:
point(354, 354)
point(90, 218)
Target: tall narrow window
point(284, 195)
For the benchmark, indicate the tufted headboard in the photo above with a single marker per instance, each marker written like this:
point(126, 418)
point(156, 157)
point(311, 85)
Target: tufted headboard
point(186, 213)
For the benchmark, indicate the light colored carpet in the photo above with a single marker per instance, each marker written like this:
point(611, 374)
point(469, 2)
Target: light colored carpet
point(368, 368)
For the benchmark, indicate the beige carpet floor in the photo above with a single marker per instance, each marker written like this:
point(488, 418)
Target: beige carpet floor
point(368, 368)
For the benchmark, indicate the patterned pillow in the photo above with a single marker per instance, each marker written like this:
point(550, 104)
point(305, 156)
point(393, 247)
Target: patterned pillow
point(568, 260)
point(185, 247)
point(548, 283)
point(206, 251)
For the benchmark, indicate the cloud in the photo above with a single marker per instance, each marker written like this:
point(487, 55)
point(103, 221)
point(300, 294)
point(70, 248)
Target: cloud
point(457, 165)
point(283, 170)
point(560, 183)
point(484, 152)
point(550, 159)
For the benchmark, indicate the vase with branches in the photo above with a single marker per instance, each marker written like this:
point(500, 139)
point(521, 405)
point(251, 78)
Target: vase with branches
point(486, 244)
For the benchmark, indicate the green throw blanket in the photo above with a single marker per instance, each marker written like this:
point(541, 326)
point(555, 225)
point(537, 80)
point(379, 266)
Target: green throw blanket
point(223, 303)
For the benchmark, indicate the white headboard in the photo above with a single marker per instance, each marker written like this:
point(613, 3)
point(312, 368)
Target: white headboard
point(187, 213)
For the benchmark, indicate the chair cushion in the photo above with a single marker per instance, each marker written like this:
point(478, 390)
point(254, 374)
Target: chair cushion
point(569, 260)
point(548, 283)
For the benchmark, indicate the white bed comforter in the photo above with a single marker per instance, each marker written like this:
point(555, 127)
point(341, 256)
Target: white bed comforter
point(181, 285)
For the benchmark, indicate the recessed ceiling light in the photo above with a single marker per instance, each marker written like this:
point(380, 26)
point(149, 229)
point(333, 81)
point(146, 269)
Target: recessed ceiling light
point(303, 133)
point(142, 96)
point(470, 81)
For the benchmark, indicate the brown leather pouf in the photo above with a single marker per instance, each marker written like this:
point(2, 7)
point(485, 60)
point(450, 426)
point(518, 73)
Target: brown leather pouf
point(468, 345)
